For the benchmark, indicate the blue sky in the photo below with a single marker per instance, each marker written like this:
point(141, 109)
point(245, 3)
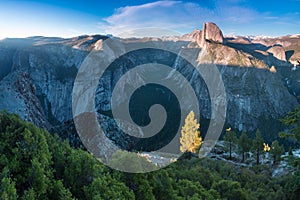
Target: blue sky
point(71, 18)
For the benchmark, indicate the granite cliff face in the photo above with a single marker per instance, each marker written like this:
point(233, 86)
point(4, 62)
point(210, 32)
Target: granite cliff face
point(278, 52)
point(37, 76)
point(210, 33)
point(50, 67)
point(18, 95)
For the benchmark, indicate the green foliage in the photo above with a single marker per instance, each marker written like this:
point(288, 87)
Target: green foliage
point(276, 151)
point(8, 189)
point(25, 153)
point(107, 188)
point(142, 187)
point(29, 195)
point(258, 145)
point(193, 190)
point(36, 165)
point(59, 191)
point(244, 144)
point(162, 184)
point(292, 120)
point(230, 190)
point(292, 185)
point(292, 117)
point(79, 171)
point(231, 139)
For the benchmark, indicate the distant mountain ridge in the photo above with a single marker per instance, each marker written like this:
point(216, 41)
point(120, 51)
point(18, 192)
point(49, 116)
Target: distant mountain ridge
point(261, 75)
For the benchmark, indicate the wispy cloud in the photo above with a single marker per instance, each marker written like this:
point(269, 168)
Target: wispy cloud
point(239, 17)
point(177, 15)
point(233, 16)
point(174, 15)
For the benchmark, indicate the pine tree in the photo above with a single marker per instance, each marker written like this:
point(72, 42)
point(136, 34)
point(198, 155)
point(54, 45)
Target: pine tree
point(292, 120)
point(8, 190)
point(29, 195)
point(258, 145)
point(244, 144)
point(276, 150)
point(231, 138)
point(190, 135)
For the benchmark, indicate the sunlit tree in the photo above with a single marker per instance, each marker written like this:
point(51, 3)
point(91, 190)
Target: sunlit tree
point(267, 148)
point(190, 135)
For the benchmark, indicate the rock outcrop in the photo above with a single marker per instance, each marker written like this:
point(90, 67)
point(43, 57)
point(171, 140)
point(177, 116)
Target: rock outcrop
point(212, 33)
point(278, 52)
point(18, 95)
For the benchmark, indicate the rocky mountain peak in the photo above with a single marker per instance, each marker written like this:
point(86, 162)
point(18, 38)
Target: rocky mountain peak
point(211, 32)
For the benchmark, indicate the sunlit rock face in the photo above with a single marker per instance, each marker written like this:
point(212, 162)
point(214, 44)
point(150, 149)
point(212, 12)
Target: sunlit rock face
point(210, 33)
point(278, 52)
point(38, 76)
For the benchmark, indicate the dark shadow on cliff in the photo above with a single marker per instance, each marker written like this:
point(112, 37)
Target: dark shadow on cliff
point(289, 54)
point(269, 126)
point(259, 51)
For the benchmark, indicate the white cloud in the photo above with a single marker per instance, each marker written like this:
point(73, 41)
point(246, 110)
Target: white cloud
point(177, 15)
point(174, 15)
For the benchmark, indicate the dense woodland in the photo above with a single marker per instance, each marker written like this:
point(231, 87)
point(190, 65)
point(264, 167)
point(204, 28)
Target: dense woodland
point(37, 165)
